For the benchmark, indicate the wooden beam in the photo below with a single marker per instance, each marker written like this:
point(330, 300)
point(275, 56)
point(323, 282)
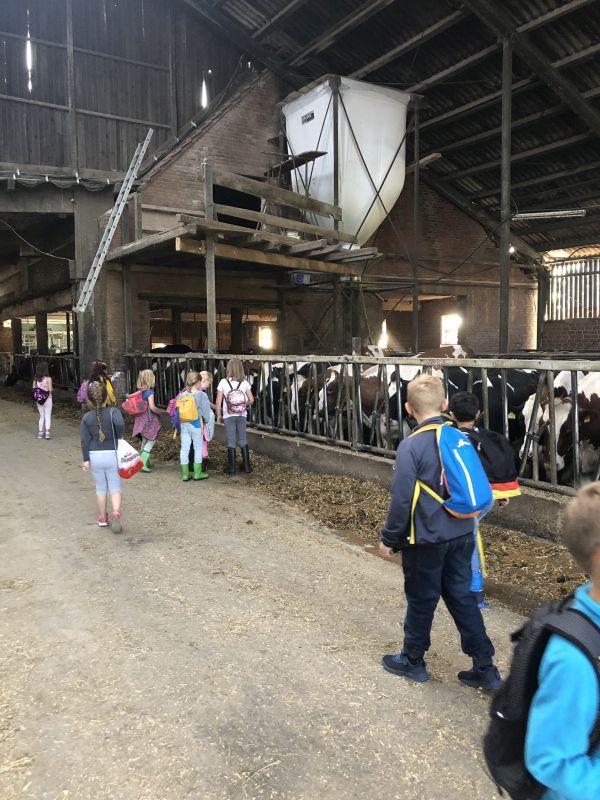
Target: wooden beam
point(233, 253)
point(304, 247)
point(410, 44)
point(498, 20)
point(289, 9)
point(360, 254)
point(592, 166)
point(339, 29)
point(454, 69)
point(234, 33)
point(265, 190)
point(283, 222)
point(215, 226)
point(149, 242)
point(524, 155)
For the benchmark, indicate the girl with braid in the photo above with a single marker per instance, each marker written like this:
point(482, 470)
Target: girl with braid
point(101, 428)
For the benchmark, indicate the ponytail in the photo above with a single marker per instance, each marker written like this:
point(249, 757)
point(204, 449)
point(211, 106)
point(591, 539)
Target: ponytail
point(97, 395)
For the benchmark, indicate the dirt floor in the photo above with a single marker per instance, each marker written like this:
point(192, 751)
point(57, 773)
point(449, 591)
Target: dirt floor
point(226, 645)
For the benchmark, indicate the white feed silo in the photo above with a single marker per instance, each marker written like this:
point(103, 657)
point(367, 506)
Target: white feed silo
point(371, 125)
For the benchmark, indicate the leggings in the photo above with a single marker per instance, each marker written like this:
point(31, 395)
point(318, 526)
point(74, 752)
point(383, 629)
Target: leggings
point(148, 444)
point(45, 412)
point(189, 434)
point(235, 428)
point(103, 464)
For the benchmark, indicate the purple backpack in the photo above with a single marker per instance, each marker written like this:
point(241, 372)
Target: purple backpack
point(82, 392)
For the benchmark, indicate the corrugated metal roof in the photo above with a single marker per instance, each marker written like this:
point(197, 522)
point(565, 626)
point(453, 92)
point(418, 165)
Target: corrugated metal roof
point(466, 98)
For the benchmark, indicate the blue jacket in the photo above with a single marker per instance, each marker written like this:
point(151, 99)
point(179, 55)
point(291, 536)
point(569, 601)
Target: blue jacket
point(562, 716)
point(417, 458)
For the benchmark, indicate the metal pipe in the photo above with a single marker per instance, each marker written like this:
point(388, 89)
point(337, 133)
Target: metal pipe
point(504, 398)
point(575, 430)
point(505, 193)
point(552, 426)
point(485, 399)
point(416, 233)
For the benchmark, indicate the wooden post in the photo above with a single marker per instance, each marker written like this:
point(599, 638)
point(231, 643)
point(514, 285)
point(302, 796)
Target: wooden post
point(41, 333)
point(68, 329)
point(17, 335)
point(73, 148)
point(137, 216)
point(505, 185)
point(209, 261)
point(236, 330)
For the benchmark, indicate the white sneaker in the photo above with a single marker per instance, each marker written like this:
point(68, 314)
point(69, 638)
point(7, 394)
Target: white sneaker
point(48, 435)
point(40, 435)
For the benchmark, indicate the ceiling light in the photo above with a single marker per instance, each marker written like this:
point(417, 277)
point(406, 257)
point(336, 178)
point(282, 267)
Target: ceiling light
point(569, 212)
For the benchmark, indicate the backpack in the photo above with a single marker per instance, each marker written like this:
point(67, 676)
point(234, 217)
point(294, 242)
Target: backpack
point(497, 459)
point(467, 486)
point(82, 392)
point(185, 403)
point(236, 400)
point(504, 742)
point(135, 403)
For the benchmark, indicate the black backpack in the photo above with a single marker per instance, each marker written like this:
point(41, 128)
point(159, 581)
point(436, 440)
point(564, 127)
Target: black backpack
point(496, 454)
point(504, 742)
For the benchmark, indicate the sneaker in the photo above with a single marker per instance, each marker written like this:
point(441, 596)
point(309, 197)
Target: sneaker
point(400, 664)
point(103, 521)
point(40, 435)
point(115, 524)
point(487, 678)
point(47, 435)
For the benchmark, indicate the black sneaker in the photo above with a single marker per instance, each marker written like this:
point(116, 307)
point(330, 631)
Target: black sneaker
point(487, 678)
point(400, 664)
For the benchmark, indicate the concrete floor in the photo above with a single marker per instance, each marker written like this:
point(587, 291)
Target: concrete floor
point(222, 647)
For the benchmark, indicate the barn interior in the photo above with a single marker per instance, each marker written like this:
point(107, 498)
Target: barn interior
point(491, 238)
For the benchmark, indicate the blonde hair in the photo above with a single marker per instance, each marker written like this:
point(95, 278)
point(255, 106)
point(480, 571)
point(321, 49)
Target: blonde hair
point(426, 393)
point(235, 370)
point(192, 378)
point(97, 396)
point(207, 376)
point(581, 526)
point(146, 379)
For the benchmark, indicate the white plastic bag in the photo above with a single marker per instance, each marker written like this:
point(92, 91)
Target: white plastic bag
point(128, 459)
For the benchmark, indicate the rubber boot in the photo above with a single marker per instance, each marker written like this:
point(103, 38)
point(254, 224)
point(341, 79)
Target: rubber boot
point(246, 459)
point(230, 468)
point(198, 474)
point(145, 456)
point(185, 472)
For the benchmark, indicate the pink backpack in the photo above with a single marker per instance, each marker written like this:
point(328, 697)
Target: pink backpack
point(236, 400)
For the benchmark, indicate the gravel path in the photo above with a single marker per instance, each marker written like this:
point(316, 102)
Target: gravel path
point(224, 646)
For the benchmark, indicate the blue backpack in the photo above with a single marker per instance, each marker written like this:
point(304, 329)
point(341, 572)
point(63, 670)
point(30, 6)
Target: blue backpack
point(467, 486)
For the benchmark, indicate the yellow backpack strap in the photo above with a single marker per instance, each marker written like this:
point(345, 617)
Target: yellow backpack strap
point(419, 486)
point(479, 545)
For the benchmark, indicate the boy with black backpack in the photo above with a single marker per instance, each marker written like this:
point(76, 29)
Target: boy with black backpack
point(545, 730)
point(434, 467)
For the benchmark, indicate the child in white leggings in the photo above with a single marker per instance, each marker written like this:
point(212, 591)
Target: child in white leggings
point(43, 382)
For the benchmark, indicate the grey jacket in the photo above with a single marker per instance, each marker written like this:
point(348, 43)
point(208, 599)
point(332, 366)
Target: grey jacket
point(90, 433)
point(417, 458)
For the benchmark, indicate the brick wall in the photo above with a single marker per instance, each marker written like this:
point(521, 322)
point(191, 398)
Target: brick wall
point(571, 334)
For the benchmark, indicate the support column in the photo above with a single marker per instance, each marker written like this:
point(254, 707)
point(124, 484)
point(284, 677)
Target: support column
point(17, 335)
point(209, 261)
point(335, 85)
point(236, 330)
point(414, 337)
point(88, 207)
point(176, 325)
point(338, 316)
point(542, 303)
point(41, 333)
point(505, 194)
point(68, 329)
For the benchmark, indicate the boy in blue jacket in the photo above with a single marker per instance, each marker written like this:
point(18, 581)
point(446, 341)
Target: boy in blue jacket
point(436, 550)
point(565, 707)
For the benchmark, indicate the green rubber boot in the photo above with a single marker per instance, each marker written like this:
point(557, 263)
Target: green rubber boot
point(198, 474)
point(185, 472)
point(145, 456)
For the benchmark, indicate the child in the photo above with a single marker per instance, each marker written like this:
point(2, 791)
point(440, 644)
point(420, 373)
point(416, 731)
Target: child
point(498, 460)
point(208, 430)
point(438, 562)
point(147, 425)
point(99, 372)
point(564, 709)
point(101, 430)
point(233, 398)
point(192, 432)
point(43, 381)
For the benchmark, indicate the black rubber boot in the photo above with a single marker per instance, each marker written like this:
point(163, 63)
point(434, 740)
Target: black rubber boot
point(230, 468)
point(246, 459)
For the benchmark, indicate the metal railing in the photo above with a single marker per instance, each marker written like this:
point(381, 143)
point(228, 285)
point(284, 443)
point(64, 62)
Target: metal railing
point(357, 402)
point(64, 369)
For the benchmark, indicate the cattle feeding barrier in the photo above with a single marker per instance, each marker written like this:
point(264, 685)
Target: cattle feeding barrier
point(357, 403)
point(63, 368)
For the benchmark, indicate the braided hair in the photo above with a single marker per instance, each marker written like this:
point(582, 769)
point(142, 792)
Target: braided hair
point(97, 396)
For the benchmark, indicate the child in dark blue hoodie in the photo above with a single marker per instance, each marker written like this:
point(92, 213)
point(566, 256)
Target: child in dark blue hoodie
point(567, 702)
point(436, 550)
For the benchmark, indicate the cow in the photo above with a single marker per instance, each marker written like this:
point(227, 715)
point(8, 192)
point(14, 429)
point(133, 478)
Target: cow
point(588, 400)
